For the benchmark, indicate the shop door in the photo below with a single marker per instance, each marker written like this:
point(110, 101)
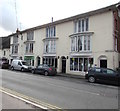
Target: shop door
point(63, 64)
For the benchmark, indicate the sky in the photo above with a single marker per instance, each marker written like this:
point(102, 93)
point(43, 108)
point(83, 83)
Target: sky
point(24, 14)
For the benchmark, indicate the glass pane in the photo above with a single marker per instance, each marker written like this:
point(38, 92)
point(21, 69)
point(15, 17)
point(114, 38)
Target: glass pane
point(71, 63)
point(79, 26)
point(87, 24)
point(85, 64)
point(110, 72)
point(83, 26)
point(85, 43)
point(80, 64)
point(79, 43)
point(76, 64)
point(89, 43)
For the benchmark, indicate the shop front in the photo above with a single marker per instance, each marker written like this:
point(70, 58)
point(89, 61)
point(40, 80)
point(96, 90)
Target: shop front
point(29, 60)
point(50, 60)
point(82, 64)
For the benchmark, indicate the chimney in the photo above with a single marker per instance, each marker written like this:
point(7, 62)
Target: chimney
point(52, 19)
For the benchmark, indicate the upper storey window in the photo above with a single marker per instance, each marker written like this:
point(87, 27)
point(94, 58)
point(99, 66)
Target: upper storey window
point(15, 39)
point(50, 31)
point(30, 35)
point(81, 25)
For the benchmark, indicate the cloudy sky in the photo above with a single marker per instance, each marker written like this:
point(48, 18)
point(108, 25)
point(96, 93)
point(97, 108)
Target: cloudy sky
point(24, 14)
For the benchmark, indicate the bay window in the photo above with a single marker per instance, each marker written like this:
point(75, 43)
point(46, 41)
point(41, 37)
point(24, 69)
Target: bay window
point(80, 43)
point(50, 46)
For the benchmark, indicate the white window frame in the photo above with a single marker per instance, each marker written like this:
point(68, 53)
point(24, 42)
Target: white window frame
point(76, 47)
point(30, 35)
point(29, 47)
point(14, 49)
point(50, 31)
point(51, 48)
point(78, 25)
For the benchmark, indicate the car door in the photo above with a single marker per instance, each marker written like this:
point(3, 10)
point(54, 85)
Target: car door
point(38, 69)
point(98, 74)
point(109, 75)
point(112, 75)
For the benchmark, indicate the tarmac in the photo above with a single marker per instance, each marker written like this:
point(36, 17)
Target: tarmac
point(12, 103)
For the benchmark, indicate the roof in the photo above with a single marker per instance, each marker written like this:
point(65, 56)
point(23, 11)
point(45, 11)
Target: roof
point(87, 14)
point(4, 42)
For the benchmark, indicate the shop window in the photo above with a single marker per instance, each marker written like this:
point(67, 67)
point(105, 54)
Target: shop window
point(76, 64)
point(80, 64)
point(50, 61)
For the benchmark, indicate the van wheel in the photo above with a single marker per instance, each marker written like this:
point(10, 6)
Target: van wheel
point(46, 73)
point(12, 68)
point(22, 69)
point(91, 79)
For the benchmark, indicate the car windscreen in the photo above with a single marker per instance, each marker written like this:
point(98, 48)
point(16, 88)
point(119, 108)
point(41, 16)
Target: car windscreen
point(24, 63)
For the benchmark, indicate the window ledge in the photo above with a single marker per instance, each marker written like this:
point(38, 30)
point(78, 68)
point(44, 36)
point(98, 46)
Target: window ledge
point(29, 53)
point(83, 53)
point(29, 41)
point(51, 38)
point(81, 33)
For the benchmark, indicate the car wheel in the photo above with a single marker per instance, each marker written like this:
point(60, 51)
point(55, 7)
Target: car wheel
point(33, 71)
point(46, 73)
point(22, 69)
point(91, 79)
point(12, 68)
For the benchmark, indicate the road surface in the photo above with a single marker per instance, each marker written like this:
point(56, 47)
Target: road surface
point(60, 92)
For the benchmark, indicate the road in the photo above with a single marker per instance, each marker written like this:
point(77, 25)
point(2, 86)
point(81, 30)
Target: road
point(65, 93)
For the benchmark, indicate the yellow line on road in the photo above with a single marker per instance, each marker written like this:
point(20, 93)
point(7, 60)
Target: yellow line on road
point(35, 102)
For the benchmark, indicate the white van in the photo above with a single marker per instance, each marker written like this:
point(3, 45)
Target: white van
point(20, 65)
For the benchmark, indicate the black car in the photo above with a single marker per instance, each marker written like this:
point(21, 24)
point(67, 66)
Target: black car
point(103, 74)
point(4, 63)
point(44, 69)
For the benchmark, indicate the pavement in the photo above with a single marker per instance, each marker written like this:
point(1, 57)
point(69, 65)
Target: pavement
point(9, 102)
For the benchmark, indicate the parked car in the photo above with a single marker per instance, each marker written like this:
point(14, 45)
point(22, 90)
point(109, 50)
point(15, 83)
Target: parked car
point(4, 63)
point(44, 69)
point(103, 74)
point(20, 65)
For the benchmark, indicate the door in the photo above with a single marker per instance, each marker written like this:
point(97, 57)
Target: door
point(110, 75)
point(103, 63)
point(63, 64)
point(39, 69)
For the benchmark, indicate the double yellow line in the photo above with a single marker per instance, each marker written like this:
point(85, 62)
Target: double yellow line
point(35, 102)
